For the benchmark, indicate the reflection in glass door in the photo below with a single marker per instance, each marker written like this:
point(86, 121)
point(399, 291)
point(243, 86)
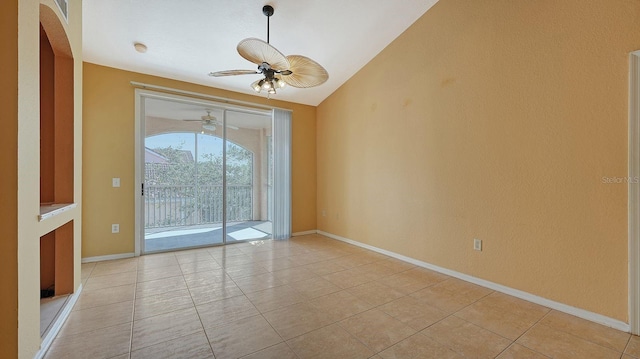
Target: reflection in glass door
point(247, 163)
point(204, 183)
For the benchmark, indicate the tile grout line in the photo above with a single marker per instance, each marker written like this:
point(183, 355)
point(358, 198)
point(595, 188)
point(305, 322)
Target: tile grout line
point(196, 307)
point(436, 339)
point(342, 289)
point(132, 322)
point(346, 289)
point(106, 288)
point(443, 318)
point(259, 313)
point(374, 307)
point(626, 346)
point(133, 311)
point(579, 337)
point(529, 329)
point(360, 341)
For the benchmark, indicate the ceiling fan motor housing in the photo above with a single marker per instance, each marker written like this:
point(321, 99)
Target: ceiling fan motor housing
point(267, 10)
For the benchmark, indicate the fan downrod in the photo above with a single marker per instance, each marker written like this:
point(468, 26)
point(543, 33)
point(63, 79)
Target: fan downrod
point(267, 10)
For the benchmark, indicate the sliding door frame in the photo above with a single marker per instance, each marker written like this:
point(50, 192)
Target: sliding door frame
point(634, 192)
point(140, 95)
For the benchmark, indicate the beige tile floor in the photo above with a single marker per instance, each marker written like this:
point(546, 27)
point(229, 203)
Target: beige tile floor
point(49, 310)
point(310, 297)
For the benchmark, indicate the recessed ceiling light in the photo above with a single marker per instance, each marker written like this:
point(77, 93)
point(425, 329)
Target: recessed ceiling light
point(140, 47)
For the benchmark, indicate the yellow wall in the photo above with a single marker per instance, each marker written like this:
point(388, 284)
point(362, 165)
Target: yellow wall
point(9, 180)
point(108, 149)
point(495, 120)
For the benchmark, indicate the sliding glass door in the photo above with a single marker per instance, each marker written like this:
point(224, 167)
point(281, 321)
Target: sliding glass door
point(207, 175)
point(248, 179)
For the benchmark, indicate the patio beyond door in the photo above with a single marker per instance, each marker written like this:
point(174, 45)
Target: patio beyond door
point(208, 175)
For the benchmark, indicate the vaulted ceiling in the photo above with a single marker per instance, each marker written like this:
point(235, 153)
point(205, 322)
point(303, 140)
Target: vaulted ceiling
point(188, 39)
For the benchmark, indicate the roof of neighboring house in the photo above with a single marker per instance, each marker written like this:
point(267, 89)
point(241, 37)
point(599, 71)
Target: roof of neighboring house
point(151, 156)
point(187, 156)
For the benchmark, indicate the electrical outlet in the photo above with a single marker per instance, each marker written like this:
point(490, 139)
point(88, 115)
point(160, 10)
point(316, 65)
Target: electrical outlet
point(115, 228)
point(115, 182)
point(324, 213)
point(477, 244)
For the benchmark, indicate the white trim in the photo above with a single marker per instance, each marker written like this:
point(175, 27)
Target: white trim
point(584, 314)
point(138, 237)
point(304, 233)
point(52, 210)
point(109, 257)
point(192, 94)
point(634, 192)
point(168, 96)
point(57, 324)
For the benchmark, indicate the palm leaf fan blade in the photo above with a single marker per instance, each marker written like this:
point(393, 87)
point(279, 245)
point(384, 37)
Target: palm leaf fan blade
point(258, 51)
point(233, 73)
point(305, 72)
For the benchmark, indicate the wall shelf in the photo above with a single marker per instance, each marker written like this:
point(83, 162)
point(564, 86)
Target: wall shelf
point(52, 210)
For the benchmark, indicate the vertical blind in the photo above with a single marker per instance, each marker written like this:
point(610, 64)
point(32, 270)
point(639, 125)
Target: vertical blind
point(281, 174)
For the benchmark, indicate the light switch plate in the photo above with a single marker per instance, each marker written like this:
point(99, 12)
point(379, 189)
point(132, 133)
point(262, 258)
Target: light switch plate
point(115, 182)
point(477, 244)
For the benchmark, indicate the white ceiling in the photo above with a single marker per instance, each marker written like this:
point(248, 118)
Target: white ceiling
point(187, 39)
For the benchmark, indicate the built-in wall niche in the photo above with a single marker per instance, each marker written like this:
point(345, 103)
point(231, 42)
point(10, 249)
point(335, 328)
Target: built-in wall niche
point(56, 261)
point(56, 122)
point(56, 170)
point(56, 273)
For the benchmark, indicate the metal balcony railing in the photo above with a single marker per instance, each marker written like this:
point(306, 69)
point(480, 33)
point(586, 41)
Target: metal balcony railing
point(170, 206)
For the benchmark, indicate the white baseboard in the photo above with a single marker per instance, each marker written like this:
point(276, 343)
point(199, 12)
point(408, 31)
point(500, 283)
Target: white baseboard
point(57, 325)
point(107, 257)
point(581, 313)
point(304, 233)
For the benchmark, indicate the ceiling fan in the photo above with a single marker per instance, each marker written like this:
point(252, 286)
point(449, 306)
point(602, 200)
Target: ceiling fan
point(278, 70)
point(210, 122)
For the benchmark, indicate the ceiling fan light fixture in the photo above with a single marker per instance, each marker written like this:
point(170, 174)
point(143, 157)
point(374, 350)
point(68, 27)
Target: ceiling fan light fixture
point(209, 126)
point(279, 83)
point(257, 86)
point(272, 91)
point(268, 84)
